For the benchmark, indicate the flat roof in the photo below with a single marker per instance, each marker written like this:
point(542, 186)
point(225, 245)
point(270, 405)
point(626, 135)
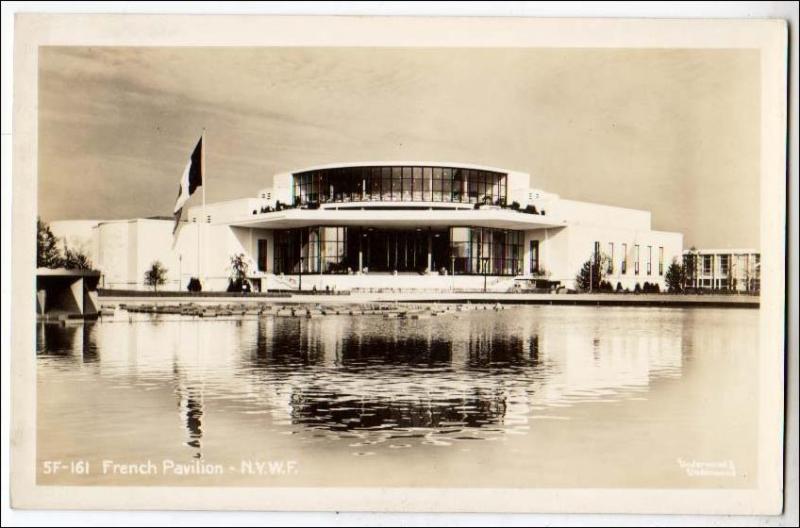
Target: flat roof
point(721, 251)
point(404, 163)
point(64, 272)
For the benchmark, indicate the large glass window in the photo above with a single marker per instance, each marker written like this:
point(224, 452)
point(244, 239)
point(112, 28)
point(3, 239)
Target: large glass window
point(437, 184)
point(623, 265)
point(312, 250)
point(610, 258)
point(400, 183)
point(636, 259)
point(724, 264)
point(707, 263)
point(480, 250)
point(386, 184)
point(427, 184)
point(416, 193)
point(262, 255)
point(534, 257)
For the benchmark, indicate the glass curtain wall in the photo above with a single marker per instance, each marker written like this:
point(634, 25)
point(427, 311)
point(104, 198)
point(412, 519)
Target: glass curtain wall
point(472, 250)
point(314, 249)
point(400, 183)
point(479, 250)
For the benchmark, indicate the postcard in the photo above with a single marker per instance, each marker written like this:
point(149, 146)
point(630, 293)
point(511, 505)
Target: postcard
point(398, 264)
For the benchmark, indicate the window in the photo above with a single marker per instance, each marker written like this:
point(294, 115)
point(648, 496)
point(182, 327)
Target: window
point(707, 263)
point(399, 183)
point(407, 195)
point(636, 259)
point(314, 249)
point(610, 258)
point(262, 255)
point(661, 260)
point(427, 184)
point(534, 257)
point(477, 250)
point(417, 194)
point(724, 264)
point(623, 265)
point(649, 260)
point(437, 184)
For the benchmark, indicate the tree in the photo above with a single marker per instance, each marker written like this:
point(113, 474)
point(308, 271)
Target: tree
point(156, 275)
point(47, 252)
point(76, 259)
point(239, 271)
point(591, 274)
point(675, 277)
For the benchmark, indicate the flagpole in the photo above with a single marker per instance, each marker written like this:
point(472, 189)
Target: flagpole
point(205, 218)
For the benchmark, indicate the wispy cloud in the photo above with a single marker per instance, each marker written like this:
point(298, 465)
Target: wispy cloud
point(666, 130)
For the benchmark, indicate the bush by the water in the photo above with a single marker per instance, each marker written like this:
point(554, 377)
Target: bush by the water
point(194, 285)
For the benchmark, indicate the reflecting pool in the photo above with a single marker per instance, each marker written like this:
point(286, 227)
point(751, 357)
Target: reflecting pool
point(539, 396)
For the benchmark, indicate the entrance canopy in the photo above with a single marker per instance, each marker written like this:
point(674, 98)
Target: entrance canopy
point(398, 218)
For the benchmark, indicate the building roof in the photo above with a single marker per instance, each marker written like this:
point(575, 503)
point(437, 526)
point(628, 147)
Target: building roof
point(404, 163)
point(64, 272)
point(726, 251)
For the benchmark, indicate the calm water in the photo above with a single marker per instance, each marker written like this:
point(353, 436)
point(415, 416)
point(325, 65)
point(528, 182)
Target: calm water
point(528, 396)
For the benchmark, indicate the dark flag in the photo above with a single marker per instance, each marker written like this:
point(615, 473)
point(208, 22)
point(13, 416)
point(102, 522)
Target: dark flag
point(192, 179)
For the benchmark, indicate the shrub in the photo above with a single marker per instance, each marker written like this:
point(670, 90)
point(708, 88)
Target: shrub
point(239, 285)
point(194, 285)
point(515, 205)
point(619, 287)
point(606, 286)
point(637, 289)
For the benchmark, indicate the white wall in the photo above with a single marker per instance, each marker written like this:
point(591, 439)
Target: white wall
point(225, 211)
point(282, 188)
point(564, 250)
point(518, 184)
point(585, 213)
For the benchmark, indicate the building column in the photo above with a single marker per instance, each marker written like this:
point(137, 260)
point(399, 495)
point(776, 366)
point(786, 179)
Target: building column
point(430, 250)
point(360, 250)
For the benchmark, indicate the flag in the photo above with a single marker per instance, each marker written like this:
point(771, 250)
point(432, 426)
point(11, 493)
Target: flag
point(191, 179)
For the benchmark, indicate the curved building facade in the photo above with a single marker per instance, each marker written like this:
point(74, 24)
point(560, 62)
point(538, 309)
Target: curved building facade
point(400, 183)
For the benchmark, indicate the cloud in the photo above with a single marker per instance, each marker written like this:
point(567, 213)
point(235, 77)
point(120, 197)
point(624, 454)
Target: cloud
point(667, 130)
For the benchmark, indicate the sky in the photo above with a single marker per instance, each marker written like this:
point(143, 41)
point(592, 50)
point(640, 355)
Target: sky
point(675, 132)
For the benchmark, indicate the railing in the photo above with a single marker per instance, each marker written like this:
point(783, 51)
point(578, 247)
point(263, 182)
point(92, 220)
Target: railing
point(514, 206)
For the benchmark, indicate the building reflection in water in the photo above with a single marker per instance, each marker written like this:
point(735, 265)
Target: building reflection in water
point(479, 374)
point(73, 339)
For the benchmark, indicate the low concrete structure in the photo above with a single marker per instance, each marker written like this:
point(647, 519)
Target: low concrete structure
point(63, 293)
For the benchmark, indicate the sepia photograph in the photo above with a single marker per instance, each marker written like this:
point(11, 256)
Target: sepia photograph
point(457, 266)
